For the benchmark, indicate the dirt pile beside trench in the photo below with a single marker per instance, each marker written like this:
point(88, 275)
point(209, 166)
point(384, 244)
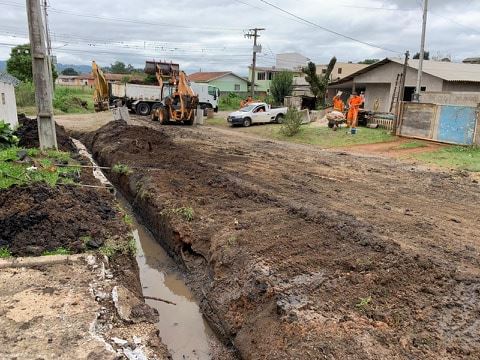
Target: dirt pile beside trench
point(300, 255)
point(28, 134)
point(39, 218)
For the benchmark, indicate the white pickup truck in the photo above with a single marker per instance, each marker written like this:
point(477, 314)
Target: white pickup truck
point(257, 113)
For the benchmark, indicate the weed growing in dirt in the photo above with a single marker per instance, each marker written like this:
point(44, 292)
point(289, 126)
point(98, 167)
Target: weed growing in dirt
point(121, 169)
point(85, 239)
point(7, 138)
point(58, 251)
point(291, 123)
point(110, 250)
point(37, 166)
point(4, 252)
point(127, 219)
point(364, 302)
point(186, 213)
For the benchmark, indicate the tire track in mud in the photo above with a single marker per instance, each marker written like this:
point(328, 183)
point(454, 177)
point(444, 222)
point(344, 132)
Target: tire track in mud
point(286, 274)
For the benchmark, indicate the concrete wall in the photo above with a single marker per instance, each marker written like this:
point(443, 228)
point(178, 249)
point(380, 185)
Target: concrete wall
point(451, 98)
point(8, 105)
point(380, 92)
point(227, 84)
point(459, 86)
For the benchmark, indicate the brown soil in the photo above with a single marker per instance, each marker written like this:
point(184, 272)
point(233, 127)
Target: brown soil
point(28, 134)
point(300, 253)
point(39, 218)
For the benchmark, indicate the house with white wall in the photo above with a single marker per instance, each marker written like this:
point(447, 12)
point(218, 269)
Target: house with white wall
point(379, 80)
point(8, 104)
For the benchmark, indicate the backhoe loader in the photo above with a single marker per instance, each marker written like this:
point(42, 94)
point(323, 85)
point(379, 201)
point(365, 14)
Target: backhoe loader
point(100, 93)
point(181, 104)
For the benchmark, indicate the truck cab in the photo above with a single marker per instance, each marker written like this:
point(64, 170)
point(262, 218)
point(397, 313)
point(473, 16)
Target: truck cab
point(208, 95)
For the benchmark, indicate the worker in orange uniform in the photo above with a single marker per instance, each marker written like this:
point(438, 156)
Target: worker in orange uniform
point(354, 104)
point(338, 104)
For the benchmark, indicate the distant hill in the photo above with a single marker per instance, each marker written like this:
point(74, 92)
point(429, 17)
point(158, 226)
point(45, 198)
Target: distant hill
point(82, 69)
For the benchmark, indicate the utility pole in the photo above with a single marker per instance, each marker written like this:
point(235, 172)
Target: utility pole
point(41, 76)
point(254, 33)
point(416, 96)
point(49, 43)
point(401, 94)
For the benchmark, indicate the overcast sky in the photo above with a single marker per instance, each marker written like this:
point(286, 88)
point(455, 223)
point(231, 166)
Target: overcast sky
point(209, 34)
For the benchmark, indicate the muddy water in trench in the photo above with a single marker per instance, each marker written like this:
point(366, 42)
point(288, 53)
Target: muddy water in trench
point(182, 327)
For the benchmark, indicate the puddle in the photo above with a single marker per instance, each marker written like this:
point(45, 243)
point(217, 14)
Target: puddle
point(182, 327)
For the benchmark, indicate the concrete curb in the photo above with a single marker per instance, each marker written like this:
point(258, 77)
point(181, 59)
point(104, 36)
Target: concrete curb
point(40, 260)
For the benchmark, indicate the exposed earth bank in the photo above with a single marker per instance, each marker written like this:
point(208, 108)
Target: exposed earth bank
point(299, 253)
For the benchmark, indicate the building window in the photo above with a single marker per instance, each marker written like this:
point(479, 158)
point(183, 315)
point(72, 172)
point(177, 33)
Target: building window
point(261, 76)
point(324, 71)
point(237, 87)
point(3, 98)
point(270, 75)
point(339, 70)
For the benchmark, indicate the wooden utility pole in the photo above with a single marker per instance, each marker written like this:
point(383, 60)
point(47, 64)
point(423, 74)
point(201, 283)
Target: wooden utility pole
point(41, 77)
point(401, 94)
point(49, 43)
point(254, 33)
point(416, 96)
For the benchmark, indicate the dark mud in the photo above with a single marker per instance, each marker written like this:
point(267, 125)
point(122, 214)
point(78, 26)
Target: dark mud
point(39, 218)
point(306, 254)
point(28, 134)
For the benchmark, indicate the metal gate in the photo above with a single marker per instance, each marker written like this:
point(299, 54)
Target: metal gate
point(444, 123)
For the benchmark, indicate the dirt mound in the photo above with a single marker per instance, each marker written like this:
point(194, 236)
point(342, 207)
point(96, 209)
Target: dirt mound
point(302, 265)
point(39, 218)
point(28, 134)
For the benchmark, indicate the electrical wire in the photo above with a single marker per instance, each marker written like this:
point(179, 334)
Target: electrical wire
point(329, 30)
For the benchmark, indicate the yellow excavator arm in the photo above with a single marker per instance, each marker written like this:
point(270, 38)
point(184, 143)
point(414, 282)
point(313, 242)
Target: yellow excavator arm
point(100, 93)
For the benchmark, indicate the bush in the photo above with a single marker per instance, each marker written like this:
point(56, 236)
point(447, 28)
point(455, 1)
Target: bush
point(25, 94)
point(292, 122)
point(229, 102)
point(282, 85)
point(7, 138)
point(68, 100)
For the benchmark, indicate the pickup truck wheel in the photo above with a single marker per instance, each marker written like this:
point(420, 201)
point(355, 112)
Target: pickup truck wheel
point(247, 122)
point(143, 109)
point(279, 119)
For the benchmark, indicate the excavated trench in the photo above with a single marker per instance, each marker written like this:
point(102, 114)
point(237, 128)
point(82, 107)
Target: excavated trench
point(182, 326)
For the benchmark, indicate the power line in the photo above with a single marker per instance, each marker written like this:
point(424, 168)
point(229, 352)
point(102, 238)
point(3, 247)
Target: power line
point(329, 30)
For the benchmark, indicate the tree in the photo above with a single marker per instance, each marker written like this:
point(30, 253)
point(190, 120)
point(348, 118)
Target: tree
point(20, 64)
point(426, 55)
point(118, 68)
point(69, 72)
point(281, 86)
point(369, 61)
point(319, 83)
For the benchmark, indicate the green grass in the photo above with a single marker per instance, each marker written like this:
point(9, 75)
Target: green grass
point(217, 121)
point(66, 99)
point(111, 249)
point(5, 252)
point(186, 213)
point(13, 172)
point(58, 251)
point(412, 145)
point(456, 157)
point(322, 136)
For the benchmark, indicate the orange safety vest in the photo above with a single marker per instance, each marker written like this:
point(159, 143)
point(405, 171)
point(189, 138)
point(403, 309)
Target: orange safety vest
point(338, 104)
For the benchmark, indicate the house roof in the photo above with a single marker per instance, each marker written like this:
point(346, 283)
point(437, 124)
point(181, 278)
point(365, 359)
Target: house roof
point(448, 71)
point(210, 76)
point(9, 79)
